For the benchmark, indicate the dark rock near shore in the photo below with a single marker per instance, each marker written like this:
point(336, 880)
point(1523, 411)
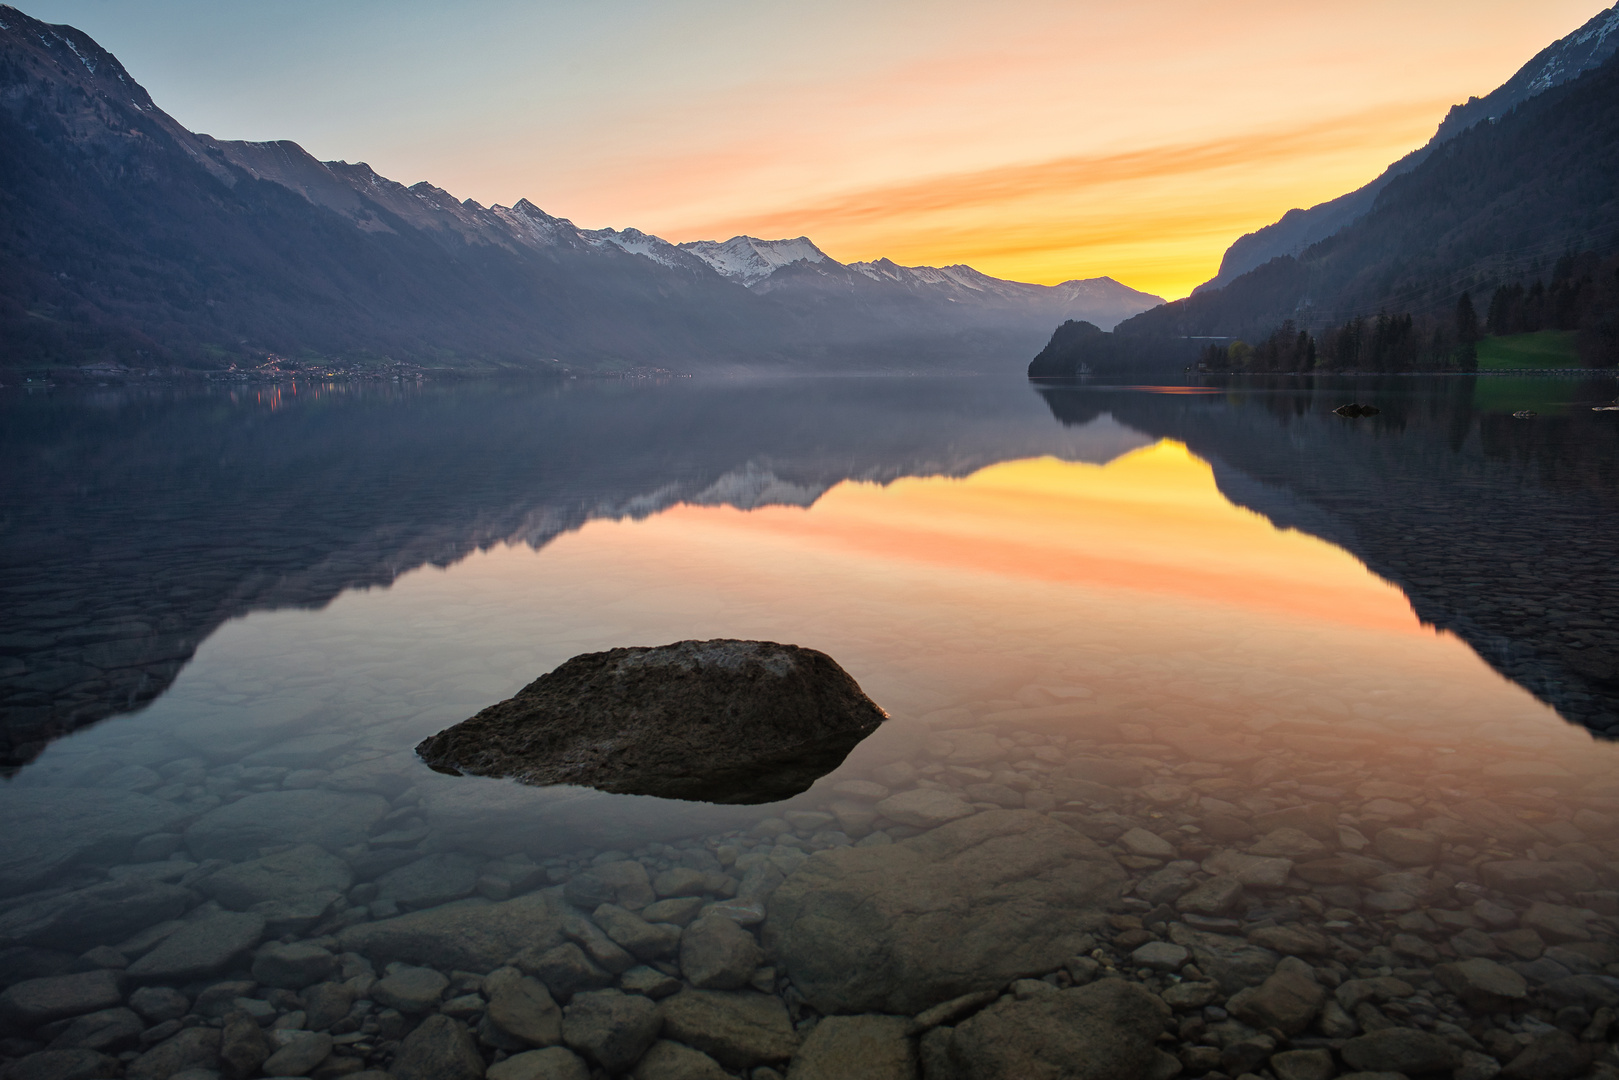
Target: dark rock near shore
point(714, 721)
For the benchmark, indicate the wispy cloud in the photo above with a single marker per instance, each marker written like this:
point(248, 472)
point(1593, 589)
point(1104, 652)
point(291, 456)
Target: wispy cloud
point(1136, 199)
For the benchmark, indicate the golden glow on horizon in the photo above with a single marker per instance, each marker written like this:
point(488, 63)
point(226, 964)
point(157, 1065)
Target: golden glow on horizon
point(1038, 140)
point(1150, 522)
point(1135, 588)
point(1157, 219)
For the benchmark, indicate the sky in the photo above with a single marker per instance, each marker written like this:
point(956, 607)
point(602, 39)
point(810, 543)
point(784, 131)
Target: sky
point(1034, 140)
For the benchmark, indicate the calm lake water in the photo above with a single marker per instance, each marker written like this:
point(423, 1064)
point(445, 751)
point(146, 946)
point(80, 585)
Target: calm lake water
point(1364, 672)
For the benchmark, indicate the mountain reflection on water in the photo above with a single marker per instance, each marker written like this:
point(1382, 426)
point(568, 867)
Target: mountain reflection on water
point(1498, 528)
point(1150, 717)
point(137, 523)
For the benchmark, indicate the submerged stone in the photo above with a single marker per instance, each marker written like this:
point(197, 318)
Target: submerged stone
point(470, 938)
point(331, 819)
point(969, 906)
point(1098, 1032)
point(720, 721)
point(102, 914)
point(49, 830)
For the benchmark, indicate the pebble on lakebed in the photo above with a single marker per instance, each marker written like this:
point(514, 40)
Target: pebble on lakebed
point(998, 894)
point(720, 721)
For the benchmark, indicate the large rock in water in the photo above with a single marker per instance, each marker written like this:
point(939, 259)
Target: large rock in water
point(970, 906)
point(712, 721)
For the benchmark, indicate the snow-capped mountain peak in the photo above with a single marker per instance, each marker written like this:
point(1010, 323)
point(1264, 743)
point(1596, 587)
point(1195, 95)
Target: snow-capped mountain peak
point(749, 260)
point(655, 248)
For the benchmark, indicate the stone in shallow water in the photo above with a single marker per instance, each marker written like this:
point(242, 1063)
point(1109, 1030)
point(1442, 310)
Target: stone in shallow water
point(717, 954)
point(552, 1063)
point(565, 969)
point(1229, 961)
point(294, 966)
point(159, 1003)
point(431, 881)
point(1407, 847)
point(1401, 1050)
point(641, 939)
point(1291, 941)
point(523, 1008)
point(331, 819)
point(410, 989)
point(1553, 1055)
point(870, 1047)
point(1160, 956)
point(439, 1049)
point(303, 1051)
point(1139, 841)
point(39, 1001)
point(1483, 984)
point(107, 1030)
point(609, 1027)
point(1103, 1031)
point(671, 1061)
point(325, 1004)
point(1527, 876)
point(304, 752)
point(680, 881)
point(679, 910)
point(969, 906)
point(242, 1044)
point(1303, 1065)
point(200, 948)
point(286, 875)
point(472, 937)
point(1255, 871)
point(1289, 843)
point(714, 721)
point(649, 981)
point(64, 1065)
point(102, 914)
point(1557, 922)
point(193, 1048)
point(923, 808)
point(1288, 1000)
point(1216, 896)
point(737, 1028)
point(51, 829)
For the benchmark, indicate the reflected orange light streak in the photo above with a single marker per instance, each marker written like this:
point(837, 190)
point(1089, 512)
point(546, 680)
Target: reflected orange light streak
point(1151, 522)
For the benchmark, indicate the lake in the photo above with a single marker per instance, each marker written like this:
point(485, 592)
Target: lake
point(1225, 733)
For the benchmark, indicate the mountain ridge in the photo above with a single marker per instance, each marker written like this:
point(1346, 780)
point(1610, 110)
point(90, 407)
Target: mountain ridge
point(1496, 202)
point(1566, 58)
point(130, 240)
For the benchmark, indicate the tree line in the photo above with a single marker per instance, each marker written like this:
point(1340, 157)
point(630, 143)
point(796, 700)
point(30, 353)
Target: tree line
point(1582, 296)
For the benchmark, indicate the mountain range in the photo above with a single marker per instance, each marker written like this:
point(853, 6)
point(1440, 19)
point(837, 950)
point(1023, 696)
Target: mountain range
point(126, 239)
point(1562, 60)
point(1517, 186)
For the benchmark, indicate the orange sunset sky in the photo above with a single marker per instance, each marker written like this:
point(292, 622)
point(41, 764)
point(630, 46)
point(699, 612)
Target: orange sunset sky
point(1033, 140)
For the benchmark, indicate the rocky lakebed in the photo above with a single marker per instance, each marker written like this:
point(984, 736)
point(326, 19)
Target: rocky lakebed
point(1012, 896)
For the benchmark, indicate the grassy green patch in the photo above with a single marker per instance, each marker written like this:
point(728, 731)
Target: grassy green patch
point(1543, 349)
